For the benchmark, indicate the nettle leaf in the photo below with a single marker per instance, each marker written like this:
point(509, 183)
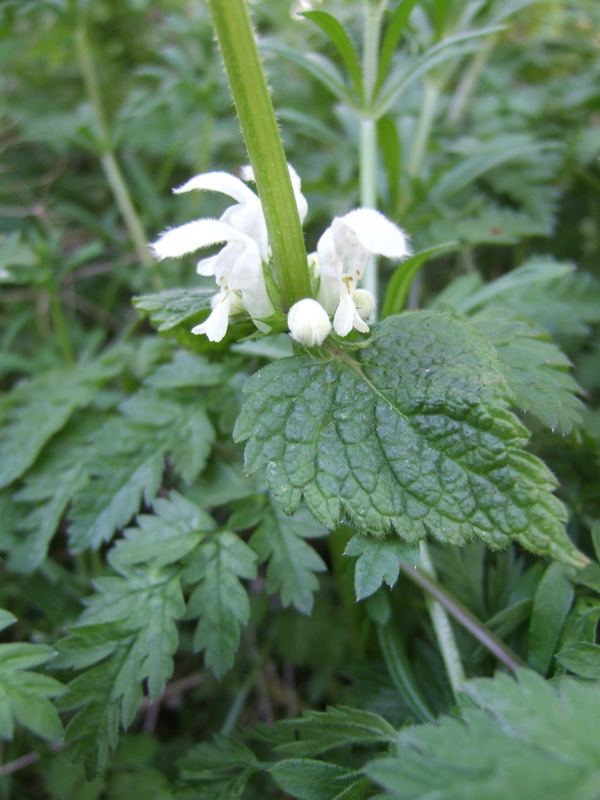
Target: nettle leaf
point(174, 307)
point(411, 433)
point(220, 600)
point(130, 459)
point(519, 739)
point(377, 562)
point(25, 696)
point(292, 562)
point(535, 369)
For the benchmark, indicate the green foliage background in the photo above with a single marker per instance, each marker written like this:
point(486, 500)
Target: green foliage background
point(151, 584)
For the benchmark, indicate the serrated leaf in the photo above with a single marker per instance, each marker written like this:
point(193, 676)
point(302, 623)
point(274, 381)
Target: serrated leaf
point(26, 696)
point(292, 562)
point(219, 599)
point(535, 368)
point(309, 779)
point(174, 307)
point(582, 659)
point(412, 433)
point(39, 408)
point(217, 770)
point(522, 740)
point(129, 463)
point(338, 726)
point(377, 562)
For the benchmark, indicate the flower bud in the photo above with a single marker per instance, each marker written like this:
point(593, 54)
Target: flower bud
point(308, 322)
point(364, 302)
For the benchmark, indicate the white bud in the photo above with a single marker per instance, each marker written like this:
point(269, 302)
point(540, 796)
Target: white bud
point(364, 302)
point(308, 322)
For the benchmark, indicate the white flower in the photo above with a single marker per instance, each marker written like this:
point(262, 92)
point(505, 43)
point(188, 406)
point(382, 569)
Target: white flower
point(343, 251)
point(308, 322)
point(238, 267)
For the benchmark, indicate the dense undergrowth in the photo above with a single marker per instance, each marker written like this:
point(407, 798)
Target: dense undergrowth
point(214, 569)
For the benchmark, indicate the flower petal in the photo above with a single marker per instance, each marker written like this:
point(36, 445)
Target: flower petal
point(343, 320)
point(196, 235)
point(376, 233)
point(219, 182)
point(247, 174)
point(215, 326)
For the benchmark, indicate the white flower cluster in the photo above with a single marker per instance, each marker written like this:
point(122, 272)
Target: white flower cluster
point(343, 253)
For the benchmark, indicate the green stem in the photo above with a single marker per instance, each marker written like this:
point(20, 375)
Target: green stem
point(419, 147)
point(259, 128)
point(368, 130)
point(112, 171)
point(60, 325)
point(463, 616)
point(443, 630)
point(464, 90)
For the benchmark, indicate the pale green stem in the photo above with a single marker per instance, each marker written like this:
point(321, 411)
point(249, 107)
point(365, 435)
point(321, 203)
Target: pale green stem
point(259, 128)
point(368, 130)
point(463, 92)
point(112, 171)
point(419, 147)
point(443, 629)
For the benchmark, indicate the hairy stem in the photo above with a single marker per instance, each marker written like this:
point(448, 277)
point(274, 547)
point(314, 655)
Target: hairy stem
point(254, 108)
point(112, 171)
point(463, 616)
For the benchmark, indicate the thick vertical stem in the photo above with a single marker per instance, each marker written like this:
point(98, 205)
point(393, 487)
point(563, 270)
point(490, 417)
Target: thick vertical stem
point(259, 128)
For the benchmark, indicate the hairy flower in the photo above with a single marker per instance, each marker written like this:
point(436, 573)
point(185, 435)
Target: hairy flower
point(308, 322)
point(238, 266)
point(344, 250)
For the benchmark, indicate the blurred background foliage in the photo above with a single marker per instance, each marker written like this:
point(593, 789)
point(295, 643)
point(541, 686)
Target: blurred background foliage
point(106, 105)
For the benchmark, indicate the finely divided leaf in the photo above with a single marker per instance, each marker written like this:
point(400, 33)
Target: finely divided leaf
point(412, 433)
point(292, 562)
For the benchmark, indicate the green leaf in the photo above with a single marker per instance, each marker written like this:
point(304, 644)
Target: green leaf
point(186, 369)
point(411, 433)
point(342, 43)
point(39, 408)
point(308, 779)
point(219, 599)
point(390, 148)
point(393, 32)
point(535, 368)
point(522, 740)
point(217, 770)
point(314, 64)
point(377, 562)
point(129, 461)
point(174, 307)
point(399, 286)
point(338, 726)
point(292, 562)
point(551, 604)
point(581, 658)
point(25, 696)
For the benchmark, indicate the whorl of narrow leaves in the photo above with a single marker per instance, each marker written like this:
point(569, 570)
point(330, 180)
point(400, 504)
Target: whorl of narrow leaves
point(411, 433)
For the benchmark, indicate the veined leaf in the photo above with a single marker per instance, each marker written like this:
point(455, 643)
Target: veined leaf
point(377, 562)
point(25, 696)
point(174, 307)
point(219, 599)
point(519, 739)
point(292, 562)
point(413, 433)
point(535, 368)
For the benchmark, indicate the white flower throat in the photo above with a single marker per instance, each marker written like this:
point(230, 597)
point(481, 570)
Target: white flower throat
point(343, 254)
